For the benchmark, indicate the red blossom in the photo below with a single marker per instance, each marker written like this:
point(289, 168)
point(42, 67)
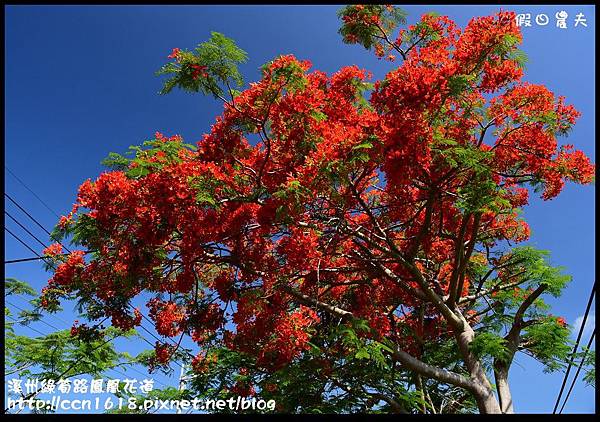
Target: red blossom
point(174, 54)
point(53, 250)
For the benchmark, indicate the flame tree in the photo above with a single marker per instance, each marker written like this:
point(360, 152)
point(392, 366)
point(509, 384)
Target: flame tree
point(337, 244)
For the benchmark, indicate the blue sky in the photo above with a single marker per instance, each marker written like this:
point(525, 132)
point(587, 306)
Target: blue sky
point(80, 83)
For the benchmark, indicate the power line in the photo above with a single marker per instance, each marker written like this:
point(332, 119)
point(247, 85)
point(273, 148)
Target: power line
point(41, 257)
point(23, 310)
point(32, 192)
point(43, 228)
point(24, 299)
point(141, 326)
point(35, 393)
point(25, 228)
point(157, 339)
point(587, 311)
point(59, 329)
point(46, 260)
point(154, 336)
point(34, 220)
point(143, 316)
point(579, 369)
point(14, 261)
point(107, 369)
point(25, 244)
point(142, 337)
point(31, 328)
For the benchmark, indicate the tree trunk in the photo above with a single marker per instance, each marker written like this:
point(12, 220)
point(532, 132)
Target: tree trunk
point(484, 393)
point(504, 396)
point(486, 401)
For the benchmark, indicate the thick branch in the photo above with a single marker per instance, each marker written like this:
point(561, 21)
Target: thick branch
point(432, 372)
point(502, 366)
point(307, 300)
point(398, 355)
point(458, 258)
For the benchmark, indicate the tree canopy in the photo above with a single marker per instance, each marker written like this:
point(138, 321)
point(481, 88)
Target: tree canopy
point(335, 243)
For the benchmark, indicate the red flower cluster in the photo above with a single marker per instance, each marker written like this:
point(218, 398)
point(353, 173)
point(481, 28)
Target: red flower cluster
point(174, 54)
point(163, 353)
point(53, 250)
point(198, 70)
point(67, 271)
point(85, 333)
point(168, 317)
point(124, 320)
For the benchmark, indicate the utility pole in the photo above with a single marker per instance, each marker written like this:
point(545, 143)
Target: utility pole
point(182, 380)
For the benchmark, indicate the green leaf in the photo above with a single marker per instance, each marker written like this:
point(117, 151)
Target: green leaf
point(362, 354)
point(490, 344)
point(18, 287)
point(458, 84)
point(364, 145)
point(219, 56)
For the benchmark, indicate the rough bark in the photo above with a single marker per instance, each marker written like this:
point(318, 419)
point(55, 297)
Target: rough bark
point(504, 395)
point(483, 391)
